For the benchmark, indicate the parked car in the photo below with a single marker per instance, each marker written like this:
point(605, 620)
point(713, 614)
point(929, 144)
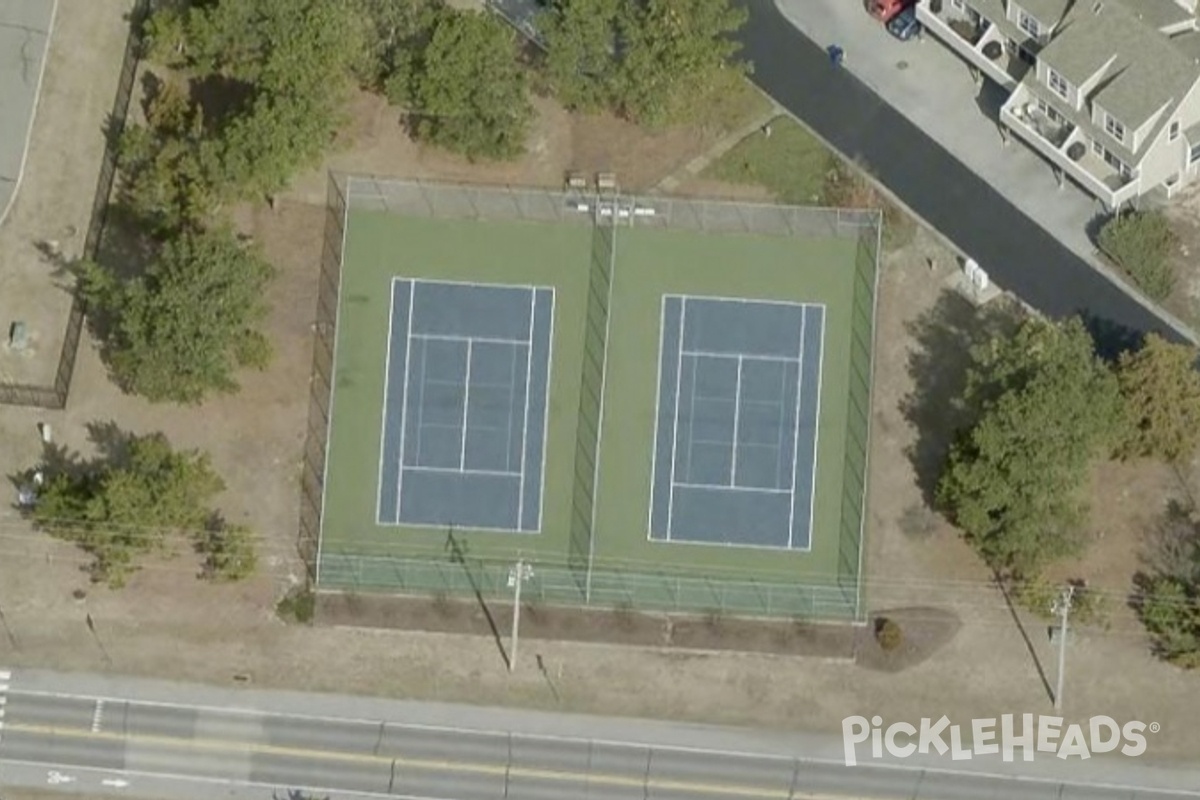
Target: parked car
point(886, 10)
point(904, 25)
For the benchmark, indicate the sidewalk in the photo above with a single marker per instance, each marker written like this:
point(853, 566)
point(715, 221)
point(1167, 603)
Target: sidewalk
point(25, 27)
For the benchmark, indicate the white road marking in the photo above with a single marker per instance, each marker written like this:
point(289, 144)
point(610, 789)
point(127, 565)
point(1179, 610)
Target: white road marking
point(98, 716)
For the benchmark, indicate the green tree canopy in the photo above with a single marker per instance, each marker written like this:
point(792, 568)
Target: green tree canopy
point(274, 45)
point(654, 61)
point(581, 51)
point(1045, 406)
point(181, 330)
point(170, 165)
point(394, 33)
point(1141, 243)
point(118, 512)
point(468, 91)
point(283, 67)
point(1161, 389)
point(1170, 602)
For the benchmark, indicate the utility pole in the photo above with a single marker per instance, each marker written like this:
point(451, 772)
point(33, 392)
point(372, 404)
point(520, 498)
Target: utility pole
point(517, 576)
point(1062, 609)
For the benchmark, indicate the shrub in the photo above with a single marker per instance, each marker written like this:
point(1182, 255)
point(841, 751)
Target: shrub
point(844, 188)
point(889, 635)
point(1038, 595)
point(1140, 243)
point(298, 605)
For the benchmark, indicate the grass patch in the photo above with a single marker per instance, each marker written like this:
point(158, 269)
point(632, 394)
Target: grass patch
point(790, 163)
point(798, 170)
point(732, 103)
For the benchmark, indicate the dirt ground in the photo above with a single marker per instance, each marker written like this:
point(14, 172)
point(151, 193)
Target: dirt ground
point(54, 202)
point(167, 624)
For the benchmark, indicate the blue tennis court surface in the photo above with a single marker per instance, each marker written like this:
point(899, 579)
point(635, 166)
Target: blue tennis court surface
point(736, 438)
point(464, 419)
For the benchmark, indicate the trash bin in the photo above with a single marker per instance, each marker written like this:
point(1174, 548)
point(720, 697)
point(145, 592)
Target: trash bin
point(836, 54)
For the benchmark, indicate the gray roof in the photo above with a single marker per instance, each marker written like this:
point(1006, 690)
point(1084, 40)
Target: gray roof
point(1047, 12)
point(1143, 74)
point(1157, 13)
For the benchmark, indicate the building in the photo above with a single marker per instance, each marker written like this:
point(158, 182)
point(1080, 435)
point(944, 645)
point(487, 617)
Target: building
point(1105, 90)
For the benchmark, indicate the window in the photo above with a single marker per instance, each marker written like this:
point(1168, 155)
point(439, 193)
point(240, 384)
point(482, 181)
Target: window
point(1194, 153)
point(1029, 25)
point(1058, 83)
point(1173, 131)
point(1097, 148)
point(1114, 128)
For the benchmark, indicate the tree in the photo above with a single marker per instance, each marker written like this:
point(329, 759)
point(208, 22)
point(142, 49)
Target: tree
point(1140, 242)
point(292, 60)
point(653, 61)
point(1161, 389)
point(393, 34)
point(674, 52)
point(118, 512)
point(469, 90)
point(262, 148)
point(1170, 601)
point(182, 329)
point(1045, 406)
point(581, 39)
point(170, 166)
point(275, 45)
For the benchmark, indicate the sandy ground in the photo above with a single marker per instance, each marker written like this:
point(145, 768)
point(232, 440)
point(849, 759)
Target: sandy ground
point(167, 624)
point(54, 202)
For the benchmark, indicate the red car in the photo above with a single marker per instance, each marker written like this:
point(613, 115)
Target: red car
point(884, 10)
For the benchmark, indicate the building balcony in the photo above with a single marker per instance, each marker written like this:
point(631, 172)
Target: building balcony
point(1068, 150)
point(976, 40)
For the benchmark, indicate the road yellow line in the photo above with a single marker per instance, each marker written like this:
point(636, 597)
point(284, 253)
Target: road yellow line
point(424, 764)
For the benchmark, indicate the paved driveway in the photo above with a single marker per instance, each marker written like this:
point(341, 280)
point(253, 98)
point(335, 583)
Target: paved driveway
point(965, 204)
point(24, 33)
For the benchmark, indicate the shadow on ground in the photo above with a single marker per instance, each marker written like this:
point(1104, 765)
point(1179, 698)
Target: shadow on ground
point(943, 339)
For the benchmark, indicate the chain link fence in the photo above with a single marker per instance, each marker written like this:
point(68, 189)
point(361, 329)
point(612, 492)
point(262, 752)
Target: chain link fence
point(582, 579)
point(461, 201)
point(55, 396)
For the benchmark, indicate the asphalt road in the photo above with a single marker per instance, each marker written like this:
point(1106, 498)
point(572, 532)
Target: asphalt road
point(260, 744)
point(1019, 255)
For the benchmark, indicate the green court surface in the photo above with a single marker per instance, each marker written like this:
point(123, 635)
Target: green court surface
point(593, 546)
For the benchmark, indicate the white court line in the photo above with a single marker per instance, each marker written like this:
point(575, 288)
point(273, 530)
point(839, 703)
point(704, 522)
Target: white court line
point(525, 417)
point(658, 371)
point(462, 452)
point(719, 488)
point(474, 284)
point(812, 497)
point(739, 356)
point(412, 294)
point(737, 412)
point(383, 415)
point(446, 337)
point(546, 407)
point(747, 300)
point(496, 473)
point(675, 431)
point(796, 429)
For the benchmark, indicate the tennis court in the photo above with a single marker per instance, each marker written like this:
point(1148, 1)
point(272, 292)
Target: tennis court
point(736, 439)
point(464, 410)
point(657, 404)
